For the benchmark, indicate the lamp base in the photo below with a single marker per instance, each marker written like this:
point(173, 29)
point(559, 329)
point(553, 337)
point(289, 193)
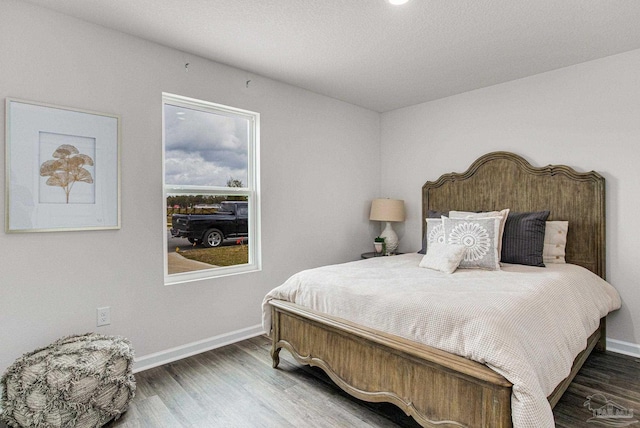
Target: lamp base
point(390, 238)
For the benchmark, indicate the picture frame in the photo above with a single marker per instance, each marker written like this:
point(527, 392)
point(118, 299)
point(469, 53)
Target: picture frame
point(62, 168)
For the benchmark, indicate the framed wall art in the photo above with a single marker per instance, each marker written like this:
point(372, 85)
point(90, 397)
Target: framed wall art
point(62, 168)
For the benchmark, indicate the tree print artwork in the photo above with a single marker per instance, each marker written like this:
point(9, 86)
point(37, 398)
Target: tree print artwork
point(67, 168)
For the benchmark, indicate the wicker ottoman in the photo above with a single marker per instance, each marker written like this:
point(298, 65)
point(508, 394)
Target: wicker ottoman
point(77, 381)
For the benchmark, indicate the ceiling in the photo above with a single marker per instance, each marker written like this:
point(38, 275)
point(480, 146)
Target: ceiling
point(373, 54)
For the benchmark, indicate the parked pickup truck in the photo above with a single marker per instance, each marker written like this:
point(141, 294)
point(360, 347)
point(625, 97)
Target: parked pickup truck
point(210, 230)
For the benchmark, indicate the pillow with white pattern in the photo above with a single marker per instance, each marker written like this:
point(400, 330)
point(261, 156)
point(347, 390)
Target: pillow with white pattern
point(480, 236)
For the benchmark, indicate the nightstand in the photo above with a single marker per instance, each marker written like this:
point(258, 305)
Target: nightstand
point(372, 254)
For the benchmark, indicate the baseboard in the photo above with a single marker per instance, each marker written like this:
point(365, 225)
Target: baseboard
point(173, 354)
point(621, 347)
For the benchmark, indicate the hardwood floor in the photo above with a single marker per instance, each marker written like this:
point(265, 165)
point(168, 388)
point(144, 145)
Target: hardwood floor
point(615, 376)
point(235, 386)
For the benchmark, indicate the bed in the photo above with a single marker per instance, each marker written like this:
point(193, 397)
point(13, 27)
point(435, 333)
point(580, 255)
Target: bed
point(436, 387)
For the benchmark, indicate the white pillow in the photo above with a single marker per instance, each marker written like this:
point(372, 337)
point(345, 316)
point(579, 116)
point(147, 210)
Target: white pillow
point(555, 241)
point(480, 236)
point(443, 257)
point(503, 214)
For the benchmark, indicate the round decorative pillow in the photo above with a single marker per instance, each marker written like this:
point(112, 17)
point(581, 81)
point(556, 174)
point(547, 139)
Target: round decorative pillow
point(77, 381)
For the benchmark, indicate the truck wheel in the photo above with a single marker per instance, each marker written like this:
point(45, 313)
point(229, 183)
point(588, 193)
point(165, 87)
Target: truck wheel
point(212, 238)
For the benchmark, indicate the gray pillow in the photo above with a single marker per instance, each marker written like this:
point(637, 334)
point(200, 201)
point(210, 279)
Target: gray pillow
point(523, 238)
point(425, 238)
point(480, 236)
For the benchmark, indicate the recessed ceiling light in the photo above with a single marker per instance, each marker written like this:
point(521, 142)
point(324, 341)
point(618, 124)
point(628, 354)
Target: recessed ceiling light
point(397, 2)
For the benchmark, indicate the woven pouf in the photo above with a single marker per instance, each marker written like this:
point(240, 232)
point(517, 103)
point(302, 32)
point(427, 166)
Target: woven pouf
point(77, 381)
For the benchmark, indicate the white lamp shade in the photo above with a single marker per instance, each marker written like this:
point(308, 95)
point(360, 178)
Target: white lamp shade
point(387, 210)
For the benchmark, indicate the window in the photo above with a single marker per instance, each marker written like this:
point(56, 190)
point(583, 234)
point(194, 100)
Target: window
point(211, 189)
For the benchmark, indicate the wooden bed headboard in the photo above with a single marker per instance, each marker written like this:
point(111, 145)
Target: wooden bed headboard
point(501, 180)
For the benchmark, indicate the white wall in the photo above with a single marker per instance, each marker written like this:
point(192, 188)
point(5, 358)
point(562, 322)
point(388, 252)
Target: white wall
point(319, 164)
point(586, 116)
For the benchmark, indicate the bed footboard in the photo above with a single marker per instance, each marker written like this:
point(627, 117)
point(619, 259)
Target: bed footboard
point(434, 387)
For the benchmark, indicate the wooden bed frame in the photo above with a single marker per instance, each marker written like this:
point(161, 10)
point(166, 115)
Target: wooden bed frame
point(435, 387)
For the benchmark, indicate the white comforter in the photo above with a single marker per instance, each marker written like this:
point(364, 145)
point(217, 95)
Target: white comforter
point(526, 323)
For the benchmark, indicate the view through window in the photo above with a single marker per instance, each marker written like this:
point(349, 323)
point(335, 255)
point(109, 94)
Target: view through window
point(211, 189)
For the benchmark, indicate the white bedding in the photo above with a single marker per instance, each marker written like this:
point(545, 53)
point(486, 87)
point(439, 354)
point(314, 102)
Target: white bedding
point(526, 323)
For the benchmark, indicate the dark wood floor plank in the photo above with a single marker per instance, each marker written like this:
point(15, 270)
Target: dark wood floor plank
point(615, 376)
point(235, 386)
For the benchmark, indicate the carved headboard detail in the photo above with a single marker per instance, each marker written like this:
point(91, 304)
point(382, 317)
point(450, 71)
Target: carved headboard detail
point(501, 180)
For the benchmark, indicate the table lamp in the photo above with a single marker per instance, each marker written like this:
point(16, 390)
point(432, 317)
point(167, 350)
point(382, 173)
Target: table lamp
point(388, 210)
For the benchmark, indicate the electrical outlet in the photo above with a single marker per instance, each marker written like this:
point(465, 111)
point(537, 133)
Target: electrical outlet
point(104, 316)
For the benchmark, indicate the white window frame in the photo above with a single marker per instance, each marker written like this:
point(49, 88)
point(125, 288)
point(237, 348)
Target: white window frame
point(251, 191)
